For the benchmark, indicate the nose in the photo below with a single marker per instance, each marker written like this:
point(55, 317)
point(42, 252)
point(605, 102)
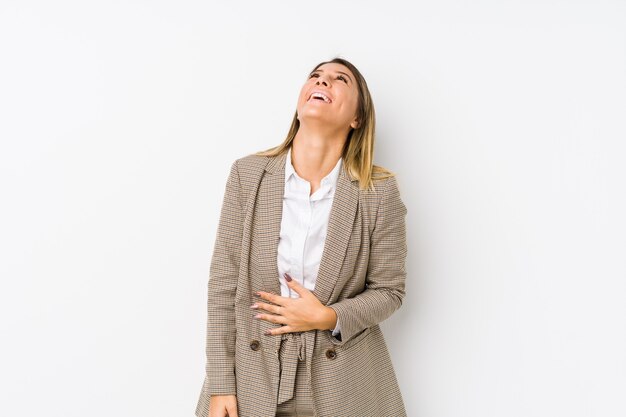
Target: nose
point(321, 80)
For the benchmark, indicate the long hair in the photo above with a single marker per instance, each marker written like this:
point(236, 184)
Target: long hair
point(358, 151)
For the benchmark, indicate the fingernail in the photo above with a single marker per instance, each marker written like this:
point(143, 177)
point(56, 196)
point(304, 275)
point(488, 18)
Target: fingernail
point(257, 316)
point(267, 333)
point(254, 306)
point(258, 293)
point(287, 277)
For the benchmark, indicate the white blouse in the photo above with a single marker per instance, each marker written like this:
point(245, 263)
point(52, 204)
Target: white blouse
point(303, 228)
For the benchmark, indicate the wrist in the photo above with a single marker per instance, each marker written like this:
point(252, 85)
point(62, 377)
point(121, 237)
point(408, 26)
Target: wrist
point(328, 319)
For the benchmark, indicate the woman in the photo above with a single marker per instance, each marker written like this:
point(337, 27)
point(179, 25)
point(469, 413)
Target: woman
point(309, 259)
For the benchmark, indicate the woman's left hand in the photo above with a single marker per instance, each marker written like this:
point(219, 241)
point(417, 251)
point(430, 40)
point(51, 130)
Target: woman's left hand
point(295, 314)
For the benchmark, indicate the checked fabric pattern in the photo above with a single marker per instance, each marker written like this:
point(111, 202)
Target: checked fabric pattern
point(361, 276)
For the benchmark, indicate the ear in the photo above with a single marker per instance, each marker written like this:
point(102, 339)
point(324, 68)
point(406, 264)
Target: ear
point(355, 124)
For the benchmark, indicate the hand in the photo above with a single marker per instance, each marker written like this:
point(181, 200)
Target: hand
point(223, 406)
point(295, 314)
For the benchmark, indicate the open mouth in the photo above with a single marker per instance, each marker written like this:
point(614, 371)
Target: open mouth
point(320, 96)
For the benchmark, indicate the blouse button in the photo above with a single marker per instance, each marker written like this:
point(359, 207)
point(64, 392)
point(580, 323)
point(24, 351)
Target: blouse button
point(331, 353)
point(254, 345)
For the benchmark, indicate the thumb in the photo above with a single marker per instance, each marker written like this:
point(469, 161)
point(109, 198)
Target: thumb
point(295, 285)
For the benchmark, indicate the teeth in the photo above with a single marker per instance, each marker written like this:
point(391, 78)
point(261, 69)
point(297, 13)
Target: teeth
point(322, 96)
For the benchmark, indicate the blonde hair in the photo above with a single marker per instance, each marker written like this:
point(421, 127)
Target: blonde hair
point(358, 152)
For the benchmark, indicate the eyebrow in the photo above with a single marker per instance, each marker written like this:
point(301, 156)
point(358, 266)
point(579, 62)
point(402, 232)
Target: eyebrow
point(340, 72)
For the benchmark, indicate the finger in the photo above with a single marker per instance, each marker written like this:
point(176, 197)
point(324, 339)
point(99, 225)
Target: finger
point(232, 411)
point(296, 286)
point(271, 318)
point(267, 307)
point(272, 298)
point(279, 330)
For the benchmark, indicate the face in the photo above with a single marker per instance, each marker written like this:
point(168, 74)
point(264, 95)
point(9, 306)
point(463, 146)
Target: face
point(330, 95)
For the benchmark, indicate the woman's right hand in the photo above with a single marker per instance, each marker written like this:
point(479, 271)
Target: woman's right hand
point(223, 406)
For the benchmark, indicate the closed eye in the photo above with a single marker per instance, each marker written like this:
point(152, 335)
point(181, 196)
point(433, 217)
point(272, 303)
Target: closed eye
point(339, 77)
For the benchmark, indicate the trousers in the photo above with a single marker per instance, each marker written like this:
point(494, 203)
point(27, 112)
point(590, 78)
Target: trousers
point(294, 387)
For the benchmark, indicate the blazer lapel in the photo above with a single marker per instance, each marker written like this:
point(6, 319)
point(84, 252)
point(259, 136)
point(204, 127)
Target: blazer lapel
point(275, 183)
point(340, 224)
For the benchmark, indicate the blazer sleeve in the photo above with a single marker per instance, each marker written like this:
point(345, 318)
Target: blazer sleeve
point(223, 276)
point(386, 273)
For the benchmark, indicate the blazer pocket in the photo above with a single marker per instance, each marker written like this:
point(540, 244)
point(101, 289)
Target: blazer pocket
point(352, 342)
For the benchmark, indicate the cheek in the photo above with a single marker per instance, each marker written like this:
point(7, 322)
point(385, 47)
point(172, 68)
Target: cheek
point(302, 95)
point(352, 105)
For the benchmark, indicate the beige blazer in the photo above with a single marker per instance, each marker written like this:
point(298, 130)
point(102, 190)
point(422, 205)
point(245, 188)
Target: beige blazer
point(361, 276)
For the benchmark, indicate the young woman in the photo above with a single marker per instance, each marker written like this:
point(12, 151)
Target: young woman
point(309, 258)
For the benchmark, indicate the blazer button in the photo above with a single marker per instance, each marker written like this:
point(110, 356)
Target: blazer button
point(254, 345)
point(331, 354)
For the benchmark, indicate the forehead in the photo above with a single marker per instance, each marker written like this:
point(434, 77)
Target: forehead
point(334, 67)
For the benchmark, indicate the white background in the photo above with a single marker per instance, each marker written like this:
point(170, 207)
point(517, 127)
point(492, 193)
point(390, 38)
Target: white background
point(504, 120)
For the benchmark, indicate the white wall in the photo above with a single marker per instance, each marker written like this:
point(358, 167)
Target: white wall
point(503, 119)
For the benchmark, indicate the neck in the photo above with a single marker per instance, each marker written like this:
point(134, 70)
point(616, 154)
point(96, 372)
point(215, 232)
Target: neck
point(314, 154)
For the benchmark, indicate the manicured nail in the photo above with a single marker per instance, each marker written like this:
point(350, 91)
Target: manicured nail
point(287, 277)
point(267, 333)
point(254, 306)
point(257, 316)
point(258, 293)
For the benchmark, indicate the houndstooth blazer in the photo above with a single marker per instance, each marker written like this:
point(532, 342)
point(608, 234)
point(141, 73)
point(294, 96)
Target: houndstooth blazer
point(361, 276)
